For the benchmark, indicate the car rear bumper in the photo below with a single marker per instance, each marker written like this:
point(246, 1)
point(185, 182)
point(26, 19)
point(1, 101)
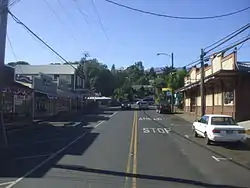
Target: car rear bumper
point(233, 138)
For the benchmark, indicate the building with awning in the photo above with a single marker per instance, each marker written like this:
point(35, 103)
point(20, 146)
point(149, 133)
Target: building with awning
point(227, 87)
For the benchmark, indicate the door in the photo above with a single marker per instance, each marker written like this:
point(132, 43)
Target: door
point(201, 125)
point(204, 124)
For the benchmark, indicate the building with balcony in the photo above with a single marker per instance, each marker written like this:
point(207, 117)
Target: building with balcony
point(227, 88)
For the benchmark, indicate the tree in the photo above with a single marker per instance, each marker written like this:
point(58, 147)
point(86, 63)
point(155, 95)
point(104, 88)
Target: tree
point(113, 70)
point(18, 63)
point(97, 76)
point(152, 73)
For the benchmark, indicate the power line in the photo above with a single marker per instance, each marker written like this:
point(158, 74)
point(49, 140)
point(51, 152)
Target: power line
point(226, 36)
point(234, 35)
point(41, 40)
point(99, 19)
point(14, 2)
point(176, 17)
point(11, 47)
point(236, 43)
point(59, 19)
point(243, 42)
point(84, 15)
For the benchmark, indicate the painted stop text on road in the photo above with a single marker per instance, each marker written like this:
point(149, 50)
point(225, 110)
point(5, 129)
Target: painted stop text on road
point(155, 130)
point(151, 119)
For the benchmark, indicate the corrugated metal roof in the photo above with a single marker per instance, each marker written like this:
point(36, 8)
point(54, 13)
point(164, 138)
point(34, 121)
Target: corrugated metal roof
point(46, 69)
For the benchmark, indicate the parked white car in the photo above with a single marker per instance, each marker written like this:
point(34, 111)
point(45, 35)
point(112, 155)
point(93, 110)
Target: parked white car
point(220, 128)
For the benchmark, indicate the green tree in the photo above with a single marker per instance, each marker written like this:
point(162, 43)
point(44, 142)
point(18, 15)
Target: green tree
point(98, 77)
point(18, 63)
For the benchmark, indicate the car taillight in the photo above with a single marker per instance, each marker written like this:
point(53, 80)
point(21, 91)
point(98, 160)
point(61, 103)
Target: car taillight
point(241, 131)
point(216, 131)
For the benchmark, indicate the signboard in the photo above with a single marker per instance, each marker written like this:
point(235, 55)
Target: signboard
point(44, 83)
point(243, 66)
point(166, 89)
point(25, 79)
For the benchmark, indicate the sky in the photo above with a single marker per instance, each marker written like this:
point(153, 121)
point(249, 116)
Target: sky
point(121, 36)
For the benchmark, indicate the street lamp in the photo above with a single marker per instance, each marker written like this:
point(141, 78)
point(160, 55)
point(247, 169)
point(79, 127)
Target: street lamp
point(172, 78)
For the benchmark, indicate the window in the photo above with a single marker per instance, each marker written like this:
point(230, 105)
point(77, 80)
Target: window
point(56, 76)
point(228, 98)
point(228, 94)
point(204, 120)
point(223, 121)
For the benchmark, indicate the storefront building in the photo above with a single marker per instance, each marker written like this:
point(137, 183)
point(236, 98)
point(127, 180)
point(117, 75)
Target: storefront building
point(227, 88)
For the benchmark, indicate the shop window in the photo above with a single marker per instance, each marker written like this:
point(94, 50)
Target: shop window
point(228, 95)
point(228, 98)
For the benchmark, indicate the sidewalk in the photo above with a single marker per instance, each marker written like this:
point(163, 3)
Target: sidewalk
point(186, 116)
point(246, 125)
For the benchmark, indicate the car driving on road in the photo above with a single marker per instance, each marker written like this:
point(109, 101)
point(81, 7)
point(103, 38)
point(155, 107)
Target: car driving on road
point(142, 105)
point(125, 105)
point(163, 108)
point(218, 128)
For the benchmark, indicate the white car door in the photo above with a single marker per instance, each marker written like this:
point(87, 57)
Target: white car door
point(204, 124)
point(198, 126)
point(201, 125)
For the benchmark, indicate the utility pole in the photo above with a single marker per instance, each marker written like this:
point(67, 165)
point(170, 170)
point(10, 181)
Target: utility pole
point(172, 81)
point(203, 107)
point(3, 32)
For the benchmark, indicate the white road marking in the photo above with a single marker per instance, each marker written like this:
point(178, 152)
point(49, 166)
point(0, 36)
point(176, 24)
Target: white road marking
point(186, 136)
point(6, 183)
point(33, 156)
point(48, 159)
point(221, 158)
point(98, 124)
point(215, 158)
point(113, 114)
point(155, 130)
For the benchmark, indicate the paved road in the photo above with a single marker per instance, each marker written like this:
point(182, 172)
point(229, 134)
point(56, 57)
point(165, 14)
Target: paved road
point(126, 149)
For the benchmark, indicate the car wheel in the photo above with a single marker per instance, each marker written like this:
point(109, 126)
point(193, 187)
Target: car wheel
point(195, 133)
point(207, 141)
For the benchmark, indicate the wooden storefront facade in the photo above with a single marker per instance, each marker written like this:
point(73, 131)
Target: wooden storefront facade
point(227, 88)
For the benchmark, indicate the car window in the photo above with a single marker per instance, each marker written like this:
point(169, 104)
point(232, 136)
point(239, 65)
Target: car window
point(223, 121)
point(204, 119)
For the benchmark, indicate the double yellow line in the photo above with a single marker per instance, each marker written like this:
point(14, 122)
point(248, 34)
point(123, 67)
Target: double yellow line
point(132, 156)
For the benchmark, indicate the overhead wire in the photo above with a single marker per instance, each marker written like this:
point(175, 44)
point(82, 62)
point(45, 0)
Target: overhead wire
point(221, 42)
point(226, 37)
point(243, 42)
point(176, 17)
point(41, 40)
point(14, 2)
point(60, 20)
point(11, 47)
point(99, 19)
point(231, 37)
point(84, 15)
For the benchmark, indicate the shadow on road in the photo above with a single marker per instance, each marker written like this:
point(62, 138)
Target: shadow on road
point(142, 176)
point(30, 147)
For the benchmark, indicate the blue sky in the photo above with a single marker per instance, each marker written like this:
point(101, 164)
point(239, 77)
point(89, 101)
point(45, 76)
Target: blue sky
point(128, 37)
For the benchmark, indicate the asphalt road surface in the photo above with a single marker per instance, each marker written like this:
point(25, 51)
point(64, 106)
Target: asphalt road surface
point(121, 149)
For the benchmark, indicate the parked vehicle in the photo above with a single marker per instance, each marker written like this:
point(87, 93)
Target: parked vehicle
point(125, 105)
point(149, 100)
point(163, 108)
point(218, 128)
point(142, 105)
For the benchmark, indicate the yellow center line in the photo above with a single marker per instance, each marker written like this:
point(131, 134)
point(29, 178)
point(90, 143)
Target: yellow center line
point(135, 151)
point(130, 149)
